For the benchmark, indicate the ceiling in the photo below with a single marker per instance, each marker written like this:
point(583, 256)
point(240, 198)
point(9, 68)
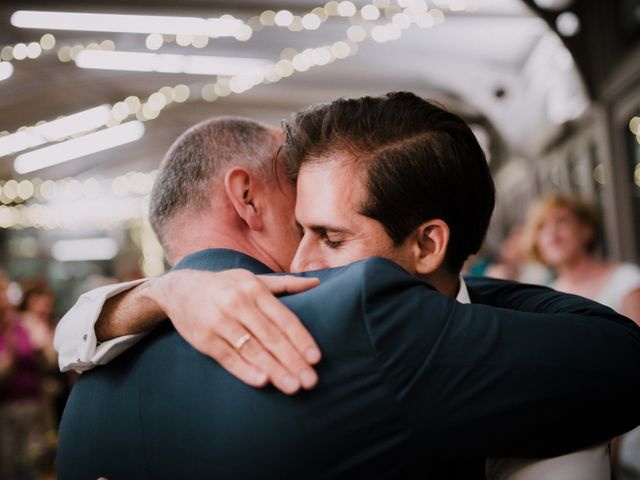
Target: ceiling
point(497, 64)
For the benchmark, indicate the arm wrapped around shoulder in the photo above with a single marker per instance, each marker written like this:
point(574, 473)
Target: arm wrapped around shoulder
point(541, 374)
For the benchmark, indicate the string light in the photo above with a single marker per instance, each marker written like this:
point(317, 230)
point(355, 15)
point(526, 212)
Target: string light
point(134, 182)
point(598, 174)
point(415, 13)
point(241, 31)
point(31, 50)
point(6, 70)
point(154, 41)
point(402, 17)
point(75, 204)
point(634, 127)
point(74, 215)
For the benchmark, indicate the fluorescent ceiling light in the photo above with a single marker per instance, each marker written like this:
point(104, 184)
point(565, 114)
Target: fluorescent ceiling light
point(84, 249)
point(167, 63)
point(553, 4)
point(6, 70)
point(55, 130)
point(79, 147)
point(106, 22)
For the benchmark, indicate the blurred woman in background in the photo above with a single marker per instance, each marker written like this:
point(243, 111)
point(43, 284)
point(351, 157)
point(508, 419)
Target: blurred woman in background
point(37, 312)
point(563, 233)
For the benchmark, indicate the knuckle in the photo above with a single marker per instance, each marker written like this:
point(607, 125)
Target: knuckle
point(214, 325)
point(208, 336)
point(232, 299)
point(255, 282)
point(224, 356)
point(253, 288)
point(271, 337)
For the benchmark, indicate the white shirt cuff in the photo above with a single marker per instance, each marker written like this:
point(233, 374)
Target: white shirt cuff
point(75, 338)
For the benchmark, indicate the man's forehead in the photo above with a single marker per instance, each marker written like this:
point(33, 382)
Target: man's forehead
point(327, 189)
point(335, 162)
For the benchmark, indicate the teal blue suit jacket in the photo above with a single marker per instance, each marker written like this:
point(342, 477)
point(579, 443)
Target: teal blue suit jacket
point(409, 381)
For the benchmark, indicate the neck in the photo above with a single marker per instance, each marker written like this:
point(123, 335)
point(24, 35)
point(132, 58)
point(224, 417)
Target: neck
point(576, 268)
point(445, 282)
point(192, 234)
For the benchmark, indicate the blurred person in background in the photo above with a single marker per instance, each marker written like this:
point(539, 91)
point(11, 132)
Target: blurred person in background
point(563, 233)
point(37, 313)
point(510, 257)
point(513, 263)
point(25, 434)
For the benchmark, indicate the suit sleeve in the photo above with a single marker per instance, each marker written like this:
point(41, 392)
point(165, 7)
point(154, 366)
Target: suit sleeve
point(484, 381)
point(537, 299)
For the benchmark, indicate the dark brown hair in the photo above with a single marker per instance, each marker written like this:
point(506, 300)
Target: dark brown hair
point(419, 161)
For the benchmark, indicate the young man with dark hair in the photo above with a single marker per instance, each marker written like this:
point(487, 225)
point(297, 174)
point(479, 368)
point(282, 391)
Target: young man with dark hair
point(410, 378)
point(417, 162)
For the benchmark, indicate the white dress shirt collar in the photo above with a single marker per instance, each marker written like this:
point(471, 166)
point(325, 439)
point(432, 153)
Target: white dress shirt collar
point(463, 293)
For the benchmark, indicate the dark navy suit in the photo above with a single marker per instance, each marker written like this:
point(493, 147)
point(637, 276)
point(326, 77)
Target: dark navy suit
point(409, 381)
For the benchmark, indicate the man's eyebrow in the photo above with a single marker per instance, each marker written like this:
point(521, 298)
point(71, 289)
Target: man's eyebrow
point(328, 228)
point(322, 228)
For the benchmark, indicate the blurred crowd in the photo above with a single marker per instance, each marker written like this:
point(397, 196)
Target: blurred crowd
point(32, 390)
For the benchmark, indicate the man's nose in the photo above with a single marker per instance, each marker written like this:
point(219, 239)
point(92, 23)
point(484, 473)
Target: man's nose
point(297, 264)
point(305, 259)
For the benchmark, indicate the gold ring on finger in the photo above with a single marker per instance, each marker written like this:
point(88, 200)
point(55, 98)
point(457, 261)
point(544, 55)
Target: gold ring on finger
point(241, 341)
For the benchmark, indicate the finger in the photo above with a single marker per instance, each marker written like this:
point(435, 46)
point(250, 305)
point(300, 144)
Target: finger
point(254, 353)
point(276, 343)
point(282, 284)
point(218, 349)
point(292, 327)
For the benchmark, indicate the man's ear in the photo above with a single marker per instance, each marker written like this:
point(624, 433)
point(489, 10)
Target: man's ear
point(432, 242)
point(242, 188)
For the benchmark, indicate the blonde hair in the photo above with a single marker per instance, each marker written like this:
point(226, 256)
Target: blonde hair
point(581, 208)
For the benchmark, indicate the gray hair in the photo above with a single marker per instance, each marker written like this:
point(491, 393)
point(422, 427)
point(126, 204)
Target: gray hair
point(199, 157)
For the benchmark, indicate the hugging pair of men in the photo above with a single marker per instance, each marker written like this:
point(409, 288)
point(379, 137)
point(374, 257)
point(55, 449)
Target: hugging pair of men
point(390, 363)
